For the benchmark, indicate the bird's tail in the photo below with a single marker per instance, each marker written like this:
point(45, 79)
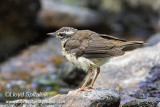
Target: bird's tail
point(128, 43)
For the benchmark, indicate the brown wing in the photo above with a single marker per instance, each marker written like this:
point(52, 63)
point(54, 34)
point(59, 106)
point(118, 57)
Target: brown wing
point(76, 47)
point(94, 46)
point(99, 47)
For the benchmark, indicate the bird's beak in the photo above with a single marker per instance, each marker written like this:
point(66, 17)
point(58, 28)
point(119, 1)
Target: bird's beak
point(52, 34)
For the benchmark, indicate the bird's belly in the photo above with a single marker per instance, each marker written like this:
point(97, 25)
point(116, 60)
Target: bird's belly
point(100, 61)
point(84, 63)
point(81, 62)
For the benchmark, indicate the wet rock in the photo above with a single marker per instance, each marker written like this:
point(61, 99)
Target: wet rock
point(138, 97)
point(141, 103)
point(99, 97)
point(146, 90)
point(130, 92)
point(151, 87)
point(125, 99)
point(95, 98)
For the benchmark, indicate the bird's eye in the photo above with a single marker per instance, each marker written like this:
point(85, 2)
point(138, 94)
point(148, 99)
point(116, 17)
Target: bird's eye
point(61, 34)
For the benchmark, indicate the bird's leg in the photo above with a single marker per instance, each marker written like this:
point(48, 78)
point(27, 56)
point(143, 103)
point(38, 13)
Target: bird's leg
point(83, 86)
point(91, 86)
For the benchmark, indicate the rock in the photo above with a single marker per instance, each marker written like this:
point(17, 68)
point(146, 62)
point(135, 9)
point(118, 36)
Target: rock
point(130, 69)
point(98, 97)
point(147, 94)
point(141, 103)
point(125, 99)
point(52, 15)
point(95, 98)
point(147, 89)
point(137, 97)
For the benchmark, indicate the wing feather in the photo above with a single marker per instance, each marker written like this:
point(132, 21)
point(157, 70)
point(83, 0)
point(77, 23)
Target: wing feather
point(95, 46)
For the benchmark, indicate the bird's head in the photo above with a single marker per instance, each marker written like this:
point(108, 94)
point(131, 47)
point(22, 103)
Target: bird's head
point(63, 33)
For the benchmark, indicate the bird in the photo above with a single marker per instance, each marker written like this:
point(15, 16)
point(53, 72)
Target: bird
point(89, 50)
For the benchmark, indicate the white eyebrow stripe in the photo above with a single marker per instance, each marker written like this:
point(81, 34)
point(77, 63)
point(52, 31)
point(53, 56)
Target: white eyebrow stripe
point(69, 32)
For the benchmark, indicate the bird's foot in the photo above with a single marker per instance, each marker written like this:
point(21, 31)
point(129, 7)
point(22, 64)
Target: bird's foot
point(83, 89)
point(91, 87)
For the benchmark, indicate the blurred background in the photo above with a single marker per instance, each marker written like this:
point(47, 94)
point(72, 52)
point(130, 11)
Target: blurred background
point(32, 61)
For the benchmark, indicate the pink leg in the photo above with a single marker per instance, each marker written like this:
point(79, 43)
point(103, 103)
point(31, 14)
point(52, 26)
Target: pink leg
point(85, 83)
point(98, 71)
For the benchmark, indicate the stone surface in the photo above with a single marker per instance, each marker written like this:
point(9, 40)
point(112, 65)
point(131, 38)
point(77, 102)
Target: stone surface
point(133, 97)
point(151, 87)
point(95, 98)
point(141, 103)
point(98, 97)
point(130, 69)
point(147, 89)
